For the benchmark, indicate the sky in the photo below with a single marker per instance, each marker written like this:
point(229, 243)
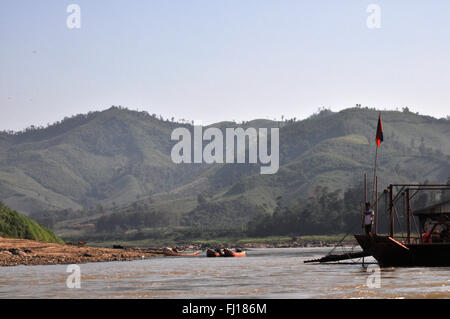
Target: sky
point(211, 60)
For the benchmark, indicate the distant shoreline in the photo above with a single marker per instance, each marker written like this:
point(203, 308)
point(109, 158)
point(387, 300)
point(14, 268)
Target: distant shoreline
point(302, 243)
point(262, 242)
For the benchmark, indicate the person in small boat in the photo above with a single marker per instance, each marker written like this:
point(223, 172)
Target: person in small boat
point(368, 219)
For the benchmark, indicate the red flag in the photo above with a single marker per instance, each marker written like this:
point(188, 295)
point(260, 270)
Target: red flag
point(379, 137)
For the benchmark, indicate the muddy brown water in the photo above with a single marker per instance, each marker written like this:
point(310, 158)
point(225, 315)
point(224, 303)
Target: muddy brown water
point(264, 273)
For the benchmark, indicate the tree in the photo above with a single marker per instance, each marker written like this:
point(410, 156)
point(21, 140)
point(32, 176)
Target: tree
point(422, 148)
point(201, 200)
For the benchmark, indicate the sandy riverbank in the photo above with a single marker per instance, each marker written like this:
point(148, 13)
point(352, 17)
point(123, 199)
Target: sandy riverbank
point(15, 252)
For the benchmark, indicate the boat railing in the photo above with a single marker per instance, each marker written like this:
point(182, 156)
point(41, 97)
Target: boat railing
point(404, 239)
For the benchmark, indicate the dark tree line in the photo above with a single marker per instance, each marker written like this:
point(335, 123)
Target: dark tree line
point(324, 212)
point(327, 212)
point(134, 220)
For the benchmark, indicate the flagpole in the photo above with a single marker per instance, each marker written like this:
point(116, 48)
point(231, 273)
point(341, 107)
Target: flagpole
point(379, 127)
point(375, 170)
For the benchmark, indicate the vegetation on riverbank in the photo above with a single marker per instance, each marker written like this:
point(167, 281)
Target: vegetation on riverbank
point(14, 225)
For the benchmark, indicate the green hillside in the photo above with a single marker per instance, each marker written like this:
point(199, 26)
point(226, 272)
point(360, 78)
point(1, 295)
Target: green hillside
point(113, 157)
point(14, 225)
point(88, 166)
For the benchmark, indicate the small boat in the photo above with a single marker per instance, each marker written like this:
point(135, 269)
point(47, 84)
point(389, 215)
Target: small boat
point(229, 253)
point(212, 253)
point(171, 252)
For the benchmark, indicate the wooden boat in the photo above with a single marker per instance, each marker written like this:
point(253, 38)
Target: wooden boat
point(425, 250)
point(170, 252)
point(212, 253)
point(431, 246)
point(229, 253)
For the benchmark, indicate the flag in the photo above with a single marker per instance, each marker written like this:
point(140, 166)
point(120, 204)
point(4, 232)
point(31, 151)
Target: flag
point(379, 137)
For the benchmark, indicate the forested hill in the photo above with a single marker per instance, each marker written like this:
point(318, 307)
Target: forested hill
point(118, 159)
point(14, 225)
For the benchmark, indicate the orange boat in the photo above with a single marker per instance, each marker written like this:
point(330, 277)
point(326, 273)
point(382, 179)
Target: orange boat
point(212, 253)
point(170, 252)
point(229, 253)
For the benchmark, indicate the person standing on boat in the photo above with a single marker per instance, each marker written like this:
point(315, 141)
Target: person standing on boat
point(368, 219)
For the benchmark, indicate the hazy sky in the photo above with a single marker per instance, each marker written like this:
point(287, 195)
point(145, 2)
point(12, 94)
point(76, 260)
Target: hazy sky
point(214, 60)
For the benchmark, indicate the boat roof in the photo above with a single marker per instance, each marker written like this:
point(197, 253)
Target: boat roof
point(436, 209)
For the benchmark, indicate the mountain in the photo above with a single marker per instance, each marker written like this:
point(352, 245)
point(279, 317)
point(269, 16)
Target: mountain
point(14, 225)
point(120, 159)
point(111, 157)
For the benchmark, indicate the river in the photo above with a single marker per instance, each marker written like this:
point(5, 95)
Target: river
point(264, 273)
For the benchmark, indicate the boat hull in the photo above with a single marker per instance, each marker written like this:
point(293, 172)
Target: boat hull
point(172, 253)
point(390, 253)
point(230, 253)
point(212, 253)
